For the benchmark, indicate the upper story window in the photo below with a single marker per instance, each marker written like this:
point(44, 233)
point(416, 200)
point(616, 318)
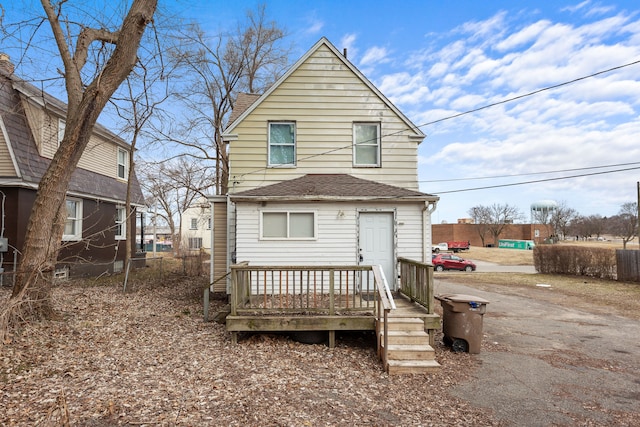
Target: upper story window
point(73, 224)
point(288, 225)
point(62, 124)
point(282, 143)
point(123, 164)
point(366, 144)
point(121, 223)
point(194, 224)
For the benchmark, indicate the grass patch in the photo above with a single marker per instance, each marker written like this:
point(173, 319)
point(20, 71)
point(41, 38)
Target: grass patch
point(621, 298)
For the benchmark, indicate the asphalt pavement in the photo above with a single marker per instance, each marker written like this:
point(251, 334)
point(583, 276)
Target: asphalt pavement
point(544, 364)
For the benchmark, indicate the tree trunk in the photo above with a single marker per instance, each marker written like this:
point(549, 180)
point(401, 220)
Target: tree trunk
point(47, 220)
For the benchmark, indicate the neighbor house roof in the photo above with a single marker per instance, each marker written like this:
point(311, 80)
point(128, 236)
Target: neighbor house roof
point(330, 187)
point(243, 102)
point(32, 166)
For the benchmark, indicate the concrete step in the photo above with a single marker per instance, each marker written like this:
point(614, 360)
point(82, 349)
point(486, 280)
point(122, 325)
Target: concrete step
point(412, 366)
point(410, 352)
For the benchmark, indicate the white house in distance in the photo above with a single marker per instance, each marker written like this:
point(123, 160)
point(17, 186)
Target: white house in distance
point(195, 227)
point(323, 171)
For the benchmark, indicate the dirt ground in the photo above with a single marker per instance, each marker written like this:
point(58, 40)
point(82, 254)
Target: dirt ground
point(146, 357)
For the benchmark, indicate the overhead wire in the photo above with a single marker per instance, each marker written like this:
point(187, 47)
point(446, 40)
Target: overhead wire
point(474, 110)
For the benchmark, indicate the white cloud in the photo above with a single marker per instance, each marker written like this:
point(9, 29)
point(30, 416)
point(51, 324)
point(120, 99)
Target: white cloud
point(374, 55)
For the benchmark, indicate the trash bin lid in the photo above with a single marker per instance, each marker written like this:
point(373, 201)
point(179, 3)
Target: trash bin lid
point(462, 298)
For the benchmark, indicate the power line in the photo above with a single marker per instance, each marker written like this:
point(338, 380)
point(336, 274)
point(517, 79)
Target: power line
point(530, 173)
point(504, 101)
point(533, 181)
point(515, 98)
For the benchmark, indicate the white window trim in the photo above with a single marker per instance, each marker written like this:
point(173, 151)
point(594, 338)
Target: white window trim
point(288, 212)
point(125, 164)
point(193, 221)
point(378, 144)
point(62, 124)
point(122, 223)
point(78, 236)
point(295, 144)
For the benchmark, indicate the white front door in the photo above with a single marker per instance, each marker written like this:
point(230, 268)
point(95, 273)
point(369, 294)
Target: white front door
point(376, 242)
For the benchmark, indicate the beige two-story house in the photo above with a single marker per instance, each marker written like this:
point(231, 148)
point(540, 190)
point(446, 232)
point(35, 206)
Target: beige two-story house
point(323, 171)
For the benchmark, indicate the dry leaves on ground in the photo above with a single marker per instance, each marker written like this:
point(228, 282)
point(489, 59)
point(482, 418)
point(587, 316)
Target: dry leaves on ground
point(147, 358)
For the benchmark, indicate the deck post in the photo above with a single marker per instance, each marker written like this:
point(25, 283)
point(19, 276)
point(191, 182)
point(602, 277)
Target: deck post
point(332, 307)
point(332, 339)
point(206, 304)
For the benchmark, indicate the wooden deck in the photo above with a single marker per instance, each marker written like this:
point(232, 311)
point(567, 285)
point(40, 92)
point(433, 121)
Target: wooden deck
point(341, 298)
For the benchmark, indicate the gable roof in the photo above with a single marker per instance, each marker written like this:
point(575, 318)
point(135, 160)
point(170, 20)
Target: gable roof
point(313, 187)
point(32, 166)
point(237, 118)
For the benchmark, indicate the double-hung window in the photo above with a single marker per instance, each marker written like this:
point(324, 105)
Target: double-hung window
point(366, 144)
point(282, 144)
point(121, 223)
point(123, 164)
point(193, 225)
point(288, 225)
point(73, 224)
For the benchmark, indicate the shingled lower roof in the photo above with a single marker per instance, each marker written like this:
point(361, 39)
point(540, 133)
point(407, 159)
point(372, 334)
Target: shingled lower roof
point(330, 186)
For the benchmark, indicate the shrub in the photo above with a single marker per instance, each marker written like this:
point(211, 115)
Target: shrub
point(575, 260)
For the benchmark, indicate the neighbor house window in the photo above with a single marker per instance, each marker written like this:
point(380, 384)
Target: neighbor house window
point(288, 225)
point(123, 164)
point(366, 144)
point(61, 127)
point(73, 225)
point(195, 242)
point(282, 143)
point(194, 224)
point(121, 223)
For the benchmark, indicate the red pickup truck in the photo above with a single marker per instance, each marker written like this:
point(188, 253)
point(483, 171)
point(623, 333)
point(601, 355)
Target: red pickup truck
point(450, 246)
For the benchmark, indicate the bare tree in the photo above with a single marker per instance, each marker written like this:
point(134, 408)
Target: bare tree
point(216, 70)
point(112, 54)
point(481, 219)
point(173, 186)
point(493, 219)
point(561, 219)
point(625, 224)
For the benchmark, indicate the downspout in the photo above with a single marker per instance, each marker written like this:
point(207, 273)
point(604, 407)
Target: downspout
point(429, 207)
point(211, 255)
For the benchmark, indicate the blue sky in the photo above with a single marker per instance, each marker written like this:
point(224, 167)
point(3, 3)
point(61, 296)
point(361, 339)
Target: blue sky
point(437, 59)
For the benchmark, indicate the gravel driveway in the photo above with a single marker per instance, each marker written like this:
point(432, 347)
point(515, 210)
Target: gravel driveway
point(544, 364)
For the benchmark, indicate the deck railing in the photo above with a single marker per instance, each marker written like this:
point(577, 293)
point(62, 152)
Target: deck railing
point(416, 282)
point(326, 290)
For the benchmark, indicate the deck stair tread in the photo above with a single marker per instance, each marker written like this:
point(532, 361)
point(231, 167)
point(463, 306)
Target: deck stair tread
point(408, 349)
point(413, 366)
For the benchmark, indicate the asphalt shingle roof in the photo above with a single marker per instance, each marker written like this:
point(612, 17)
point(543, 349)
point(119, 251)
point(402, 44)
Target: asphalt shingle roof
point(330, 186)
point(32, 166)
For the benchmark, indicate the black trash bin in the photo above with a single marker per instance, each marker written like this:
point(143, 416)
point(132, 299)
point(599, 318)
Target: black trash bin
point(462, 321)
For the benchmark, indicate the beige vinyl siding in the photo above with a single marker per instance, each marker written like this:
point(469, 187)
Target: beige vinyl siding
point(7, 167)
point(324, 98)
point(99, 156)
point(337, 238)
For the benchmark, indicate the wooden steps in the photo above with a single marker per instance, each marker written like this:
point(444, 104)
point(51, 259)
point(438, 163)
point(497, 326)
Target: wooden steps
point(408, 349)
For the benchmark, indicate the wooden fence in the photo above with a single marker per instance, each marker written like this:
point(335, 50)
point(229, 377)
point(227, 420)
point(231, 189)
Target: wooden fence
point(628, 265)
